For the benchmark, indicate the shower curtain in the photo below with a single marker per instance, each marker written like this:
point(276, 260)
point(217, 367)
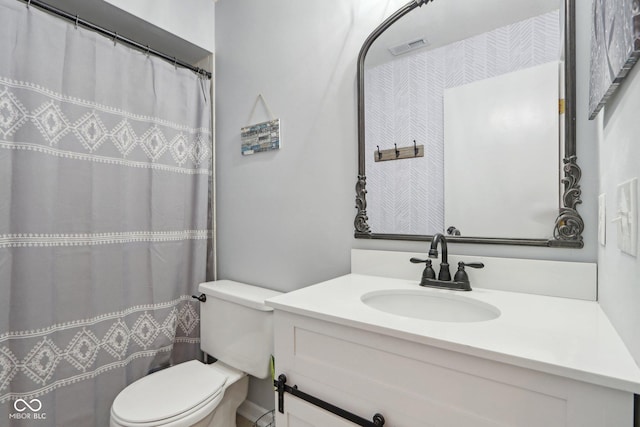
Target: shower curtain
point(105, 181)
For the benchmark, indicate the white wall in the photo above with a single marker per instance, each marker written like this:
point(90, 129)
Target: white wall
point(619, 150)
point(168, 26)
point(192, 20)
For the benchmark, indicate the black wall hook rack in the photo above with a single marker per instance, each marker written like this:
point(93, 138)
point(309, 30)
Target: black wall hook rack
point(282, 388)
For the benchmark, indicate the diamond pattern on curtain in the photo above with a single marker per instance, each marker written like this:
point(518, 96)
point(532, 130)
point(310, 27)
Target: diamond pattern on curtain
point(105, 176)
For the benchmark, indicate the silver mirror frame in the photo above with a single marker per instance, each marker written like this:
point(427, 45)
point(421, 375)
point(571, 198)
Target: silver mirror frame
point(567, 232)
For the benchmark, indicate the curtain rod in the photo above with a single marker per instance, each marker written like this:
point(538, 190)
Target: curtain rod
point(114, 36)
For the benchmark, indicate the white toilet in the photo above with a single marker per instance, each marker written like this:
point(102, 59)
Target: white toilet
point(236, 327)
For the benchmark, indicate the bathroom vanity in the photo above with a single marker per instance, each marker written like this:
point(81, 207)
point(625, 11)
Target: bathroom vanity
point(528, 360)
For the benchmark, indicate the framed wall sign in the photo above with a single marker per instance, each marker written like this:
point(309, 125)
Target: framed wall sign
point(259, 137)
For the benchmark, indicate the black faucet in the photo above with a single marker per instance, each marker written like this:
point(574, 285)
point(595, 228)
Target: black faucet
point(444, 273)
point(459, 283)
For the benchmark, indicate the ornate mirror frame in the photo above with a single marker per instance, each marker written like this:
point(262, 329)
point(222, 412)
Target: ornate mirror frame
point(569, 225)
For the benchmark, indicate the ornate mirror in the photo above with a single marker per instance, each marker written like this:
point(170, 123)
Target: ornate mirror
point(466, 124)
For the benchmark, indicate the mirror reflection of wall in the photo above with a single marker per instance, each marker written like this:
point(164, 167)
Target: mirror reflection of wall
point(517, 198)
point(404, 101)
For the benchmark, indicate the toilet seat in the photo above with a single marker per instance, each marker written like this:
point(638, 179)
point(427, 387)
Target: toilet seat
point(187, 391)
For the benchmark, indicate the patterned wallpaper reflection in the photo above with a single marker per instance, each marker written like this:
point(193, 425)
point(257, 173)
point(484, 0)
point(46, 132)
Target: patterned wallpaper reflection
point(404, 101)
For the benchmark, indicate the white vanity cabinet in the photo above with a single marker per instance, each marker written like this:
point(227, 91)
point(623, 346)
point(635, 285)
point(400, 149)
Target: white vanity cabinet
point(413, 385)
point(432, 374)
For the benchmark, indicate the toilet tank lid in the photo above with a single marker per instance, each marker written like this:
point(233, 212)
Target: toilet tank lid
point(239, 293)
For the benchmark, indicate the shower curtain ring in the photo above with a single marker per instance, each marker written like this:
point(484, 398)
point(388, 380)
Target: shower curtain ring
point(28, 4)
point(115, 37)
point(77, 22)
point(147, 50)
point(175, 62)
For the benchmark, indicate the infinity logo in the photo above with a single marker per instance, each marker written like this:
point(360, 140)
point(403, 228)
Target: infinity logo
point(21, 405)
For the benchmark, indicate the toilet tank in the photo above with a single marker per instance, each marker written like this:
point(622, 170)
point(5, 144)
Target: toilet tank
point(236, 327)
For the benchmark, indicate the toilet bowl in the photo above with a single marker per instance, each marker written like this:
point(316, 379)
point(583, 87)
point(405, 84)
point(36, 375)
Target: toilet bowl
point(186, 395)
point(236, 328)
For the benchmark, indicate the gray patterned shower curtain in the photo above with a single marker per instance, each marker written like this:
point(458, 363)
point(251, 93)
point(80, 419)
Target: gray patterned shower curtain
point(105, 177)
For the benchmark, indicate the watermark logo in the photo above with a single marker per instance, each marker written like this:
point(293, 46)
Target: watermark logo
point(21, 405)
point(27, 410)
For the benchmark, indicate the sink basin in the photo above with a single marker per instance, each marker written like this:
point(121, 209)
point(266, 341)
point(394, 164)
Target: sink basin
point(425, 305)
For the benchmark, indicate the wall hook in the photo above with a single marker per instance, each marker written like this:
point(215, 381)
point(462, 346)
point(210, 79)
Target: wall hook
point(453, 231)
point(398, 153)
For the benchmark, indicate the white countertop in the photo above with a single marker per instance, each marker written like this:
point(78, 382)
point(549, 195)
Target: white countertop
point(561, 336)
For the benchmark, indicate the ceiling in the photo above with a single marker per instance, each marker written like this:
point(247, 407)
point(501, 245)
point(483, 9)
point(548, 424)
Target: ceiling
point(112, 18)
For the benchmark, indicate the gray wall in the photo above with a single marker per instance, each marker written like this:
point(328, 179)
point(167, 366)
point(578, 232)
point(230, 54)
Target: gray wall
point(285, 218)
point(619, 150)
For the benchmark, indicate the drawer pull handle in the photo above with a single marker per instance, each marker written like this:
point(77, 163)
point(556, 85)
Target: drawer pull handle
point(282, 388)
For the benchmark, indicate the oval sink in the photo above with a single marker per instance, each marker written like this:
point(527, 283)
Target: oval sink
point(425, 305)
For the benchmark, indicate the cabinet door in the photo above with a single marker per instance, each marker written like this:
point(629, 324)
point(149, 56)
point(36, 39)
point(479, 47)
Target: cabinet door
point(417, 385)
point(298, 413)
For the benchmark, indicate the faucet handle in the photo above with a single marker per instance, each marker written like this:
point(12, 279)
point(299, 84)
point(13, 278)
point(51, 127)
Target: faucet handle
point(428, 272)
point(471, 264)
point(461, 275)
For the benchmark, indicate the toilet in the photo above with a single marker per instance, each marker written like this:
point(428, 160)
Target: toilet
point(236, 328)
